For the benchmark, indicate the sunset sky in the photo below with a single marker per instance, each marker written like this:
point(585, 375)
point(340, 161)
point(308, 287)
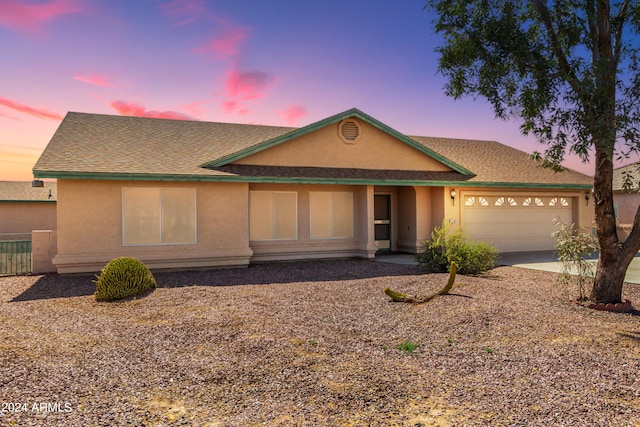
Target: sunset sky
point(278, 62)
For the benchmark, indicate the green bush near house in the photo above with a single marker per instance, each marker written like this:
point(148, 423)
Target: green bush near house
point(122, 278)
point(446, 247)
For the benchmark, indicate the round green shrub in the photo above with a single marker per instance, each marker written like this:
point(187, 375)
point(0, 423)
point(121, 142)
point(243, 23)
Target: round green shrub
point(471, 257)
point(122, 278)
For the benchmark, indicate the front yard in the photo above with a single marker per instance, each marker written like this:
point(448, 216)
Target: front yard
point(316, 344)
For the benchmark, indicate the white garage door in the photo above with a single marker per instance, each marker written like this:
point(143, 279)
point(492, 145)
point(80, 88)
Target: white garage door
point(515, 223)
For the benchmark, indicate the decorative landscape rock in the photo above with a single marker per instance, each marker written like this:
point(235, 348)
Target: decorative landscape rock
point(620, 307)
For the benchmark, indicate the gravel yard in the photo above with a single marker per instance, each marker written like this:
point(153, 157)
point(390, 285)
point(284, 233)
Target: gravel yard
point(315, 344)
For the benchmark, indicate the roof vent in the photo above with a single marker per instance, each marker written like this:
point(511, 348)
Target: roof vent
point(349, 131)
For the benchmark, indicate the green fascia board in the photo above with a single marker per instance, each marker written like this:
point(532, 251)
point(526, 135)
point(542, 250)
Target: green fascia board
point(354, 112)
point(29, 201)
point(287, 180)
point(526, 185)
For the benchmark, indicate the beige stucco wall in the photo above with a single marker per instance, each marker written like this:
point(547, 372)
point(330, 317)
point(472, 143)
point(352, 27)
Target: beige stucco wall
point(627, 205)
point(324, 148)
point(24, 217)
point(304, 247)
point(43, 250)
point(90, 227)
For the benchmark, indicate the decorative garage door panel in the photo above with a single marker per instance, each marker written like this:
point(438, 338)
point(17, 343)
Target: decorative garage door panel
point(515, 223)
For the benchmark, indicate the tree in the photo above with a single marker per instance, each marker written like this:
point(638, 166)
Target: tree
point(569, 70)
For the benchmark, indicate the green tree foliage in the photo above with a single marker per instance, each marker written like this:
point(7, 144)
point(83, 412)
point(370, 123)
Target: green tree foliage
point(570, 72)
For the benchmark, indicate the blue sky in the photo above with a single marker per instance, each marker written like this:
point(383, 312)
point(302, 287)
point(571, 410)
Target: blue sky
point(281, 62)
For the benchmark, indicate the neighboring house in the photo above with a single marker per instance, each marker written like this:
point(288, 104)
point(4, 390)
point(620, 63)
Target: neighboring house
point(24, 208)
point(626, 200)
point(189, 194)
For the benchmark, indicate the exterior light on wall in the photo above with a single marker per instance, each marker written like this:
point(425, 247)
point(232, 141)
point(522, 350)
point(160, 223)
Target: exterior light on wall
point(587, 196)
point(453, 196)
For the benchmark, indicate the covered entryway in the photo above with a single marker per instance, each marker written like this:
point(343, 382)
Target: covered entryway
point(515, 222)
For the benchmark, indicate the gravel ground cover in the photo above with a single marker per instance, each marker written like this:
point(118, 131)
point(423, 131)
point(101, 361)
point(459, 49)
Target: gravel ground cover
point(316, 344)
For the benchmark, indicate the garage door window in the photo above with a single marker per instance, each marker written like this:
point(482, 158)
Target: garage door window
point(476, 201)
point(505, 201)
point(558, 201)
point(533, 201)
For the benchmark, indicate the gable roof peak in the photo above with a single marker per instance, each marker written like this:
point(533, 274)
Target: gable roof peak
point(352, 112)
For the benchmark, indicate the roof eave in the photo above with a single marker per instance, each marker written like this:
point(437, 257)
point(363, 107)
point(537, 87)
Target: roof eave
point(293, 180)
point(29, 201)
point(526, 185)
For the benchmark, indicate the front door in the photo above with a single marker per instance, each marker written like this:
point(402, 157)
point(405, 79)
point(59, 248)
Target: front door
point(382, 221)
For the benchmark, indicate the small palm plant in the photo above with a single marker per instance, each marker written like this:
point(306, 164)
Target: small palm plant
point(573, 246)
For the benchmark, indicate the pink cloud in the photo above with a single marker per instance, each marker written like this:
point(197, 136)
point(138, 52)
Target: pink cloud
point(21, 16)
point(245, 85)
point(8, 116)
point(133, 109)
point(242, 86)
point(40, 113)
point(93, 79)
point(293, 113)
point(184, 11)
point(231, 107)
point(228, 44)
point(195, 107)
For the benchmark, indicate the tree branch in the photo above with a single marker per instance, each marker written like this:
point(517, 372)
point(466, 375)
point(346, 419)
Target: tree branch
point(565, 68)
point(620, 19)
point(593, 29)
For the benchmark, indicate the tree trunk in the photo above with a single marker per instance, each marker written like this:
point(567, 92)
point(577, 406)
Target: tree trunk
point(615, 256)
point(614, 260)
point(612, 267)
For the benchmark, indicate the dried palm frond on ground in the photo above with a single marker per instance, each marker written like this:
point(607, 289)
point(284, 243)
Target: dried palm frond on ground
point(316, 344)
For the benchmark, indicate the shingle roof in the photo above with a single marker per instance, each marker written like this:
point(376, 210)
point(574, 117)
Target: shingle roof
point(97, 143)
point(105, 146)
point(633, 171)
point(20, 191)
point(498, 163)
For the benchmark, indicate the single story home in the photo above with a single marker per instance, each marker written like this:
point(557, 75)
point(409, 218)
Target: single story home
point(27, 206)
point(190, 194)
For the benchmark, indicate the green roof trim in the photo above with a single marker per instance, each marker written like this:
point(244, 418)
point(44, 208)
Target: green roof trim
point(29, 201)
point(354, 112)
point(293, 180)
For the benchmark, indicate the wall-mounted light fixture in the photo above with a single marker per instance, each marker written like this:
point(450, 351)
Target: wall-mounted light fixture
point(587, 196)
point(453, 196)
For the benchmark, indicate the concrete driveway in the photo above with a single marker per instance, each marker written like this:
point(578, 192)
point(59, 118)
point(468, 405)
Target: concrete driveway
point(548, 261)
